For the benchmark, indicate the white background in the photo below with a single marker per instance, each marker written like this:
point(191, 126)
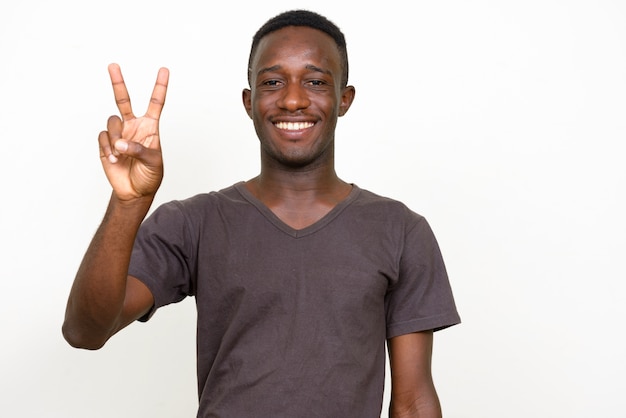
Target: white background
point(502, 122)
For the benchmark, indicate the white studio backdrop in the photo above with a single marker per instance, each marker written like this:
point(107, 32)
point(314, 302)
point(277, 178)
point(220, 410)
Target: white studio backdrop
point(502, 122)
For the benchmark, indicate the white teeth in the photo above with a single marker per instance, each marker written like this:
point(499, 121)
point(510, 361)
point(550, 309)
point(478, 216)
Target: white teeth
point(293, 126)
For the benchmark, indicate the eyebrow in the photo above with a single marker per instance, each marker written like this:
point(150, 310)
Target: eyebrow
point(318, 69)
point(310, 67)
point(267, 70)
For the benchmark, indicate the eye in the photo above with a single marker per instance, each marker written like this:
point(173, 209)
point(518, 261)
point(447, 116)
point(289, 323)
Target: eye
point(271, 83)
point(317, 83)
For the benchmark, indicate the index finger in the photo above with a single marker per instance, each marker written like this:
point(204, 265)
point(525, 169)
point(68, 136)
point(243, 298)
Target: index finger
point(122, 99)
point(158, 94)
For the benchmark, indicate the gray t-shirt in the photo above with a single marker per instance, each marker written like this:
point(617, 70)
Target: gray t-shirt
point(293, 323)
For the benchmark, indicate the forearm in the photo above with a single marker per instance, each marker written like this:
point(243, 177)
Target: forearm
point(97, 296)
point(413, 393)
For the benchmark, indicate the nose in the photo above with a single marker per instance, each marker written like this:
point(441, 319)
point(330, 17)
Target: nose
point(294, 97)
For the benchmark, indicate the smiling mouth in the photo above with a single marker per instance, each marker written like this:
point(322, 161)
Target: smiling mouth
point(293, 126)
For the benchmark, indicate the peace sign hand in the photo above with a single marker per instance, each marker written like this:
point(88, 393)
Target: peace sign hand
point(130, 148)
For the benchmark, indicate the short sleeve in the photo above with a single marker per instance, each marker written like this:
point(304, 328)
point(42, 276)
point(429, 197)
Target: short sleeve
point(421, 299)
point(161, 256)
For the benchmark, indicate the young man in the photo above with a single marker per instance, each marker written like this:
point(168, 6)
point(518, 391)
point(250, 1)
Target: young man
point(299, 277)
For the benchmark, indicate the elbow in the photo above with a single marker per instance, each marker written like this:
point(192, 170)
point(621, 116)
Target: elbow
point(419, 408)
point(78, 339)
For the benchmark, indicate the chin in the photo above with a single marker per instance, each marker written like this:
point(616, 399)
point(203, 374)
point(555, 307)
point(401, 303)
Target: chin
point(294, 156)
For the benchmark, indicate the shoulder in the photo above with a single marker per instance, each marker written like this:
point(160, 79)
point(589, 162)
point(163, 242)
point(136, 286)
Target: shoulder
point(385, 207)
point(202, 201)
point(200, 207)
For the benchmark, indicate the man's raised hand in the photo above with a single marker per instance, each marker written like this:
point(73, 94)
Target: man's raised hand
point(130, 148)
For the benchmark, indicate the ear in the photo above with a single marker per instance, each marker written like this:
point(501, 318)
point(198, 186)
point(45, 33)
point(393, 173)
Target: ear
point(246, 97)
point(347, 97)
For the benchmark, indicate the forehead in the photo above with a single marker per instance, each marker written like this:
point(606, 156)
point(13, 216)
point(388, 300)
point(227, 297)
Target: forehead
point(296, 42)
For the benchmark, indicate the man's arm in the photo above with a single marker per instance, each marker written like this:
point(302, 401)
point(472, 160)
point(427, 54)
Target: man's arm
point(103, 298)
point(413, 393)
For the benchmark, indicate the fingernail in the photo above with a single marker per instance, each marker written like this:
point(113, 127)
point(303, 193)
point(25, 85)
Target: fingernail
point(121, 146)
point(112, 159)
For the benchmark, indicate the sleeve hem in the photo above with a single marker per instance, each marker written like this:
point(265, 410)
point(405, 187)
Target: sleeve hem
point(435, 323)
point(139, 276)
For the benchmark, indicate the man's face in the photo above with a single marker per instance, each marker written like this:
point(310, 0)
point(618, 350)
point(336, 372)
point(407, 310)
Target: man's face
point(296, 96)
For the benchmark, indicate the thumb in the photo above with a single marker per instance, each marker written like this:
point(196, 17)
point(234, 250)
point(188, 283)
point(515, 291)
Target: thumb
point(136, 150)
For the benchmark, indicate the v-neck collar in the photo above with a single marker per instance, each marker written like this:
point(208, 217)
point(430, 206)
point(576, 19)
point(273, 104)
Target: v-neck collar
point(297, 233)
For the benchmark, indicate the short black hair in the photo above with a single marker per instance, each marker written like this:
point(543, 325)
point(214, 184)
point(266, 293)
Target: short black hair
point(308, 19)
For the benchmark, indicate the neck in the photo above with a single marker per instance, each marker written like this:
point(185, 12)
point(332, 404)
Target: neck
point(299, 184)
point(299, 196)
point(313, 180)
